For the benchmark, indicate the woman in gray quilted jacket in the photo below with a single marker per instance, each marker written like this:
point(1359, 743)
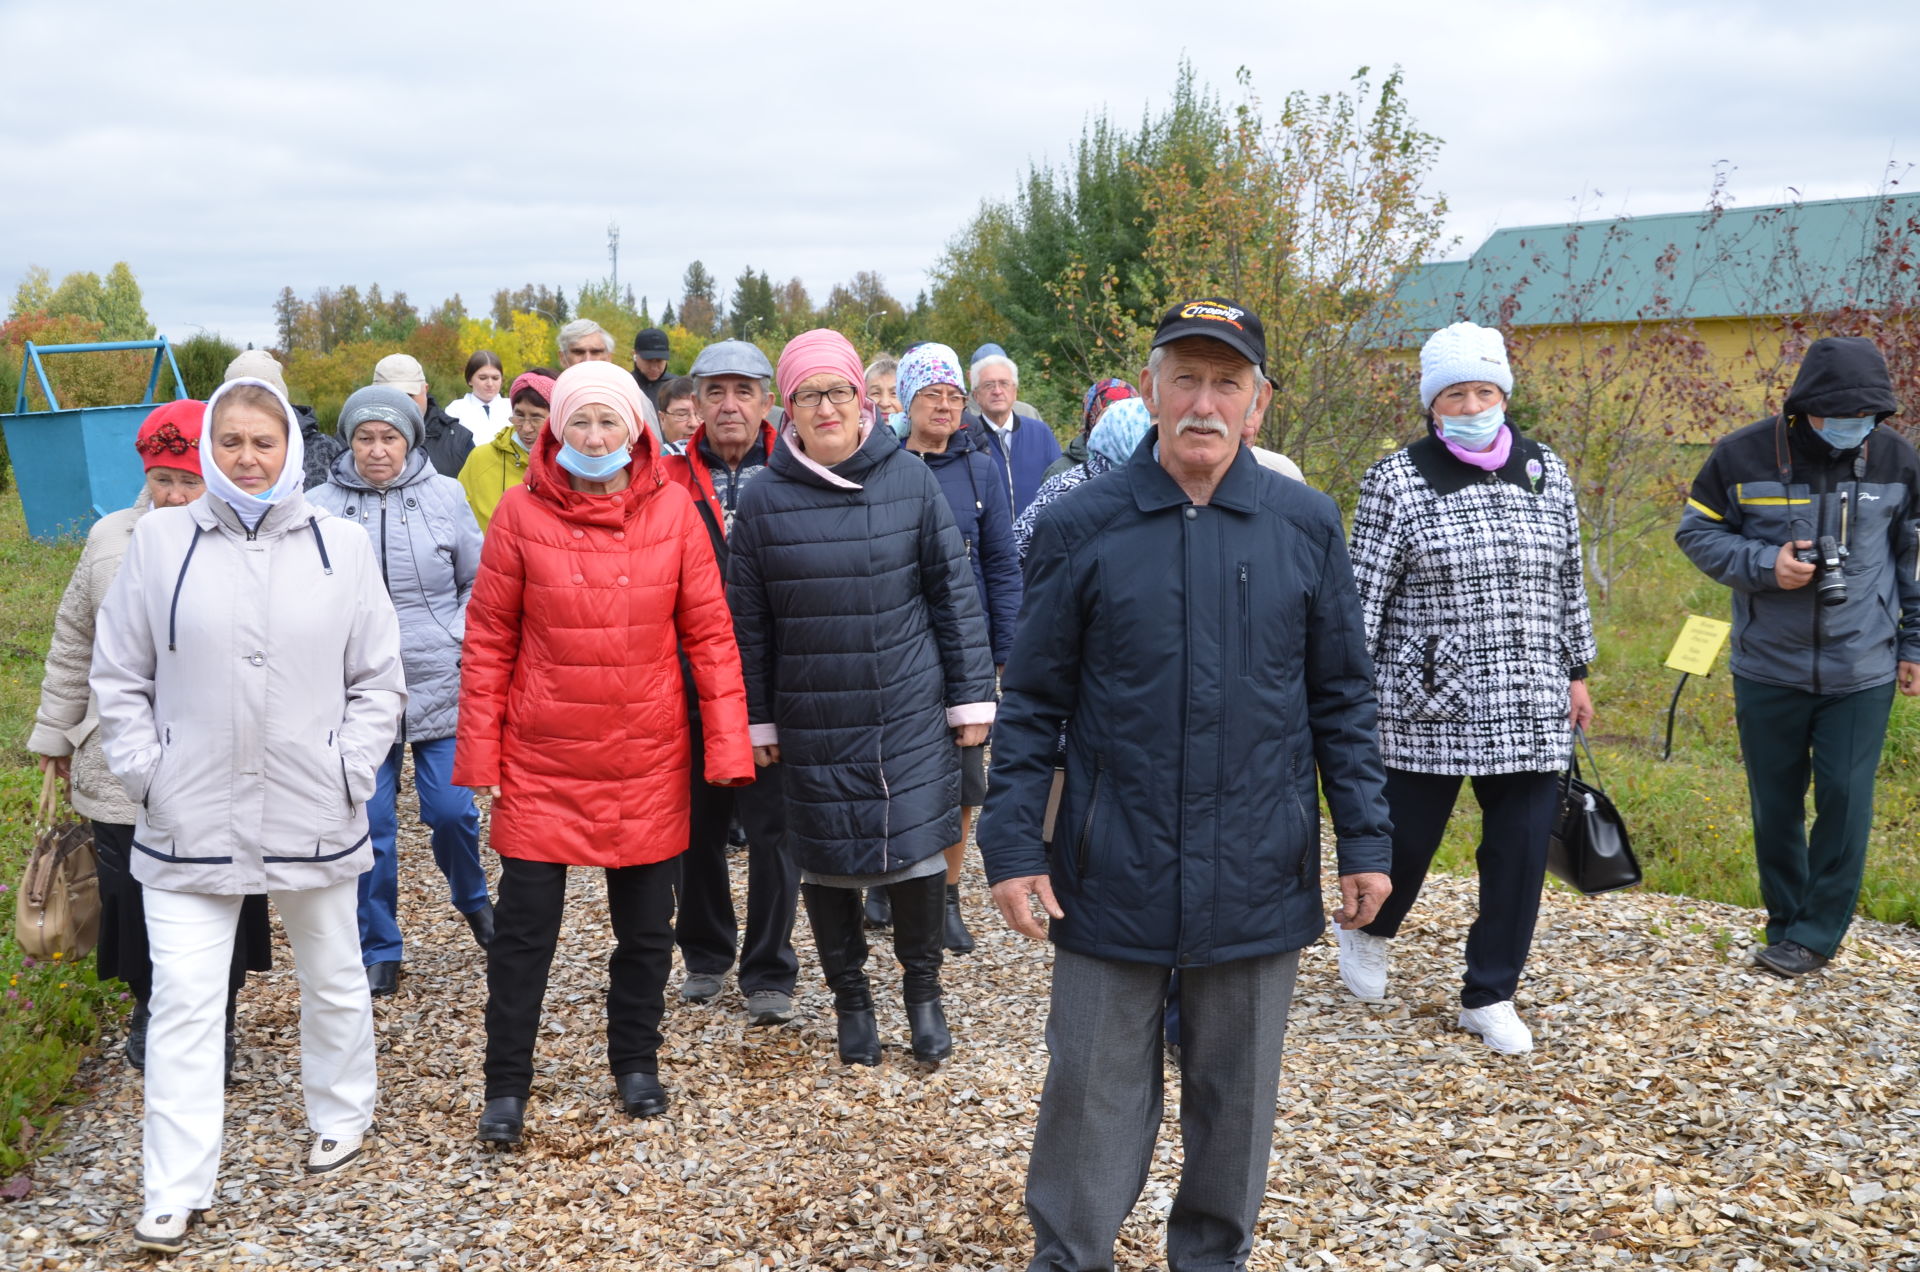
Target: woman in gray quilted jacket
point(1466, 551)
point(428, 545)
point(66, 731)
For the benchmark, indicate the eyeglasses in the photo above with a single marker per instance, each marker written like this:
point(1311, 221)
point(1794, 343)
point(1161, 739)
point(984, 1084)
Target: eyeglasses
point(981, 386)
point(942, 397)
point(526, 421)
point(807, 399)
point(679, 413)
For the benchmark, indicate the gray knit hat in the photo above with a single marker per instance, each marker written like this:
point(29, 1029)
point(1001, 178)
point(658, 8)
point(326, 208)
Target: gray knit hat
point(382, 402)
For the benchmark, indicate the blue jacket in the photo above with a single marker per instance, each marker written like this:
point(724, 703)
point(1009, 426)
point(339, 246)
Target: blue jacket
point(1214, 663)
point(1033, 451)
point(977, 494)
point(859, 627)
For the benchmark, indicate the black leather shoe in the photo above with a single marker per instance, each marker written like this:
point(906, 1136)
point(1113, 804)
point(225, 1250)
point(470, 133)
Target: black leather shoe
point(931, 1041)
point(1789, 959)
point(956, 937)
point(878, 912)
point(137, 1036)
point(383, 979)
point(859, 1036)
point(641, 1094)
point(502, 1120)
point(481, 924)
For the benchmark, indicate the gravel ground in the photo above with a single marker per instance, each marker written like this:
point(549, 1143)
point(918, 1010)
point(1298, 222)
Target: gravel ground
point(1680, 1110)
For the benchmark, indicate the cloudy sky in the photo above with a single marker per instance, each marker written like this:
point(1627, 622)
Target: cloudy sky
point(439, 147)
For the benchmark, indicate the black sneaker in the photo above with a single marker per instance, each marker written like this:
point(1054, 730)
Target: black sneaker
point(1789, 959)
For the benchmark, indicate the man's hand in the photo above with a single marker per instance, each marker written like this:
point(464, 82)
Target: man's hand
point(62, 765)
point(1015, 899)
point(1361, 896)
point(1788, 571)
point(1579, 704)
point(1910, 679)
point(970, 734)
point(765, 755)
point(485, 792)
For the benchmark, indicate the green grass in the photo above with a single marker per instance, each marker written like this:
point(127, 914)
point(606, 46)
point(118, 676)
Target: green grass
point(1689, 816)
point(50, 1012)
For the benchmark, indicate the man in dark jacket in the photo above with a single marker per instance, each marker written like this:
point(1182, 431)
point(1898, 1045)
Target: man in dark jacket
point(1812, 517)
point(448, 441)
point(1195, 617)
point(650, 354)
point(731, 446)
point(1021, 445)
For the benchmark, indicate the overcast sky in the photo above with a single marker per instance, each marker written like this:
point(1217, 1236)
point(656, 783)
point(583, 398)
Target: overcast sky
point(435, 147)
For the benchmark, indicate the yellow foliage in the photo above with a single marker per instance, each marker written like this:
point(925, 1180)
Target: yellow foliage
point(529, 342)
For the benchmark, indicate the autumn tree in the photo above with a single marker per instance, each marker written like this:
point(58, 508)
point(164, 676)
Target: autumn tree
point(752, 310)
point(699, 306)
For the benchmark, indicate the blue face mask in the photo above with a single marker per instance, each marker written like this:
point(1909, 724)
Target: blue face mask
point(1473, 432)
point(593, 467)
point(1845, 434)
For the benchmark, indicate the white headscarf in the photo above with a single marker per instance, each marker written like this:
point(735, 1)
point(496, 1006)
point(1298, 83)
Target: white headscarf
point(251, 508)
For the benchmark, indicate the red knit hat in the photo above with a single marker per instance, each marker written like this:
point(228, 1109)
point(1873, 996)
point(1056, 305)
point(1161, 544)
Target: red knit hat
point(170, 437)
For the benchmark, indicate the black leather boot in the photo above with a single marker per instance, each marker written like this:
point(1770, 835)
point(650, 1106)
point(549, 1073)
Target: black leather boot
point(835, 915)
point(879, 913)
point(641, 1094)
point(919, 931)
point(137, 1035)
point(956, 937)
point(502, 1120)
point(480, 923)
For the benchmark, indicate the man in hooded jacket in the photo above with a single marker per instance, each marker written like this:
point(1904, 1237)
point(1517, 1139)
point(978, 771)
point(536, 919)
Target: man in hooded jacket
point(1812, 518)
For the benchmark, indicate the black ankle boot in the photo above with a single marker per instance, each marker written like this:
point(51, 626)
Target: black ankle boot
point(932, 1043)
point(641, 1094)
point(879, 913)
point(502, 1120)
point(956, 937)
point(858, 1033)
point(480, 923)
point(137, 1035)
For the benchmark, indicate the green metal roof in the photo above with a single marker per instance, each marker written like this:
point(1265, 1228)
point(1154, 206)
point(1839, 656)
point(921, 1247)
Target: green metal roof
point(1783, 258)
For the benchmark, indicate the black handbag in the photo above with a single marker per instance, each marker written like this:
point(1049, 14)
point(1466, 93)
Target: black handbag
point(1589, 848)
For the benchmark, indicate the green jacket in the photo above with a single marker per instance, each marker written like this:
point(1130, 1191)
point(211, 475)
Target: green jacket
point(490, 472)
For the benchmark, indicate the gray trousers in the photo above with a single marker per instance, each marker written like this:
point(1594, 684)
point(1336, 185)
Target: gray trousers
point(1100, 1110)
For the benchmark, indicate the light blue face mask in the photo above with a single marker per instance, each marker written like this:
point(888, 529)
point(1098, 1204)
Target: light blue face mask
point(1845, 434)
point(593, 467)
point(1473, 432)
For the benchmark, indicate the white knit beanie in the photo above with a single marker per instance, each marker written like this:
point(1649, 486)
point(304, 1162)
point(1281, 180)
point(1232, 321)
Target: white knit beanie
point(1463, 352)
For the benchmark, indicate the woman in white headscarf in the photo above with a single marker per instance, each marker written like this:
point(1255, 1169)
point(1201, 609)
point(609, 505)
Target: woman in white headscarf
point(247, 666)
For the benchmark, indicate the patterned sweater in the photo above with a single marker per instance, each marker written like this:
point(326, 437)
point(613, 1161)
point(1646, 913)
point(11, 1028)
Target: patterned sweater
point(1475, 606)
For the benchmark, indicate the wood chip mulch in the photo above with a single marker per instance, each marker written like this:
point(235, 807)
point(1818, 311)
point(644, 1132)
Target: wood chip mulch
point(1680, 1110)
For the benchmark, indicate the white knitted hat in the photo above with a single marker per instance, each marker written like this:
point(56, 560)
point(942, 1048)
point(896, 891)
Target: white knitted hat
point(1463, 352)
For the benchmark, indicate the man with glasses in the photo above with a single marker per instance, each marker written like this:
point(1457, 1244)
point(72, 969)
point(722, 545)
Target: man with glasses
point(1022, 446)
point(730, 446)
point(678, 415)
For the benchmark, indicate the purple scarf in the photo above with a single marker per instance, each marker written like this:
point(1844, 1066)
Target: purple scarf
point(1492, 459)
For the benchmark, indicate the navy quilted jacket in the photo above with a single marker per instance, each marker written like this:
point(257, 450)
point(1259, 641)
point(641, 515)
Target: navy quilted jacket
point(859, 625)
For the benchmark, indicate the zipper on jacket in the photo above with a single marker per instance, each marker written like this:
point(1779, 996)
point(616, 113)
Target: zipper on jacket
point(1083, 850)
point(1246, 621)
point(166, 744)
point(345, 788)
point(384, 579)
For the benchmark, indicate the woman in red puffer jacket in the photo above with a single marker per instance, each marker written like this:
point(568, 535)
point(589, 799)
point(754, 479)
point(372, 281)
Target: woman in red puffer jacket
point(573, 720)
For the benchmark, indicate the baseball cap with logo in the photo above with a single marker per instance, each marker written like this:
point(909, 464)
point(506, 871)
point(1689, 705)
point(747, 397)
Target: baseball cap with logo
point(1216, 318)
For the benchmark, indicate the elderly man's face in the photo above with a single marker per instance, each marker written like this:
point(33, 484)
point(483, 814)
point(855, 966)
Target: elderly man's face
point(586, 349)
point(996, 390)
point(732, 407)
point(1204, 398)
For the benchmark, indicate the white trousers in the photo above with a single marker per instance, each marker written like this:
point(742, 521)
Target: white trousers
point(191, 936)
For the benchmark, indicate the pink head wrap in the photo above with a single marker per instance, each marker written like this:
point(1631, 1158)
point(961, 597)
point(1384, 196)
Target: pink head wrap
point(601, 382)
point(541, 384)
point(822, 349)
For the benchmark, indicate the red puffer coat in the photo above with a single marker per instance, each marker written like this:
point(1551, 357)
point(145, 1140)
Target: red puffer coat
point(571, 698)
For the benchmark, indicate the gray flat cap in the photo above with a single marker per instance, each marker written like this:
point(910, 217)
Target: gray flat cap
point(732, 357)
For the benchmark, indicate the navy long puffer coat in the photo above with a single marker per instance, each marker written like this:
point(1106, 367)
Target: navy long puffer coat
point(978, 501)
point(859, 627)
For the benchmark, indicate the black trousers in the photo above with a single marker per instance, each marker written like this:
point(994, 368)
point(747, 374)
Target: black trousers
point(526, 921)
point(123, 955)
point(705, 926)
point(1516, 812)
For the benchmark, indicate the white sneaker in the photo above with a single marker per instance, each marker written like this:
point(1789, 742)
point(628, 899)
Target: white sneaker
point(1363, 963)
point(331, 1154)
point(1499, 1026)
point(163, 1231)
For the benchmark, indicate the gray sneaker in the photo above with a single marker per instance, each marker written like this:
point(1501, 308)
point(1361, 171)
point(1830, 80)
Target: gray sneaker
point(769, 1007)
point(700, 987)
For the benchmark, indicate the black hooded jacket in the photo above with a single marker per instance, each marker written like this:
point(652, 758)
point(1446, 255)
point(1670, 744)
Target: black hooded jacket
point(1778, 481)
point(448, 442)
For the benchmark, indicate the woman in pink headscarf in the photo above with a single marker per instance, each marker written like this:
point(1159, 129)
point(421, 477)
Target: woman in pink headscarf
point(867, 667)
point(573, 720)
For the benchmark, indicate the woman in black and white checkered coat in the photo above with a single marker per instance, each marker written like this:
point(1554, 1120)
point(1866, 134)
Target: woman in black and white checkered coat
point(1466, 549)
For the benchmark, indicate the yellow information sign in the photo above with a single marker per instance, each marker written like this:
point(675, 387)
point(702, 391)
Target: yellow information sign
point(1699, 645)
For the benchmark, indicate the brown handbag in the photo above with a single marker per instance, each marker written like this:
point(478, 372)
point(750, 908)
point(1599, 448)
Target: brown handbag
point(57, 906)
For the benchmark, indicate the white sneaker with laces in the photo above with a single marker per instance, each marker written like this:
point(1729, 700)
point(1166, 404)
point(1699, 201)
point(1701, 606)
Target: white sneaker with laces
point(164, 1231)
point(1363, 963)
point(1499, 1026)
point(331, 1153)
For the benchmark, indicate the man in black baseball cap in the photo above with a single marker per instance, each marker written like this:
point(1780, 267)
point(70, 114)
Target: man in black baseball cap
point(1216, 318)
point(650, 354)
point(1205, 380)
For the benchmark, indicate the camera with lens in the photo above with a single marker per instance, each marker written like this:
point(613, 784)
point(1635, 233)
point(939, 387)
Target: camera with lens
point(1829, 581)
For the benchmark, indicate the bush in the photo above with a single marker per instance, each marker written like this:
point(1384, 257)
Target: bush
point(203, 364)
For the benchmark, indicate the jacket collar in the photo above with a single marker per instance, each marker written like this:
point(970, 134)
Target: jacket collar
point(346, 476)
point(792, 460)
point(1154, 488)
point(547, 482)
point(1445, 474)
point(960, 444)
point(701, 451)
point(210, 512)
